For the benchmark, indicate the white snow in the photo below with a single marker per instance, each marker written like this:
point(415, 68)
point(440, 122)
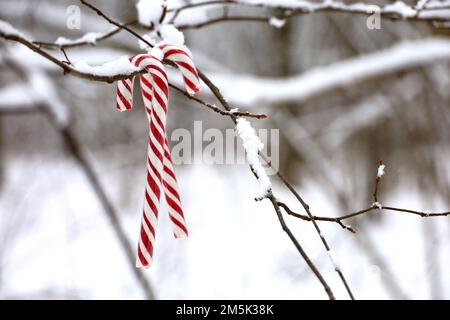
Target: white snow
point(149, 11)
point(189, 16)
point(7, 29)
point(17, 96)
point(250, 91)
point(440, 14)
point(277, 23)
point(90, 37)
point(157, 53)
point(170, 34)
point(164, 34)
point(380, 171)
point(253, 145)
point(119, 66)
point(400, 8)
point(377, 205)
point(434, 4)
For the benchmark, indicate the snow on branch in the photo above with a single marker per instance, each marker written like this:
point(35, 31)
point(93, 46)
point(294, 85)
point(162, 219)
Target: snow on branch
point(88, 38)
point(252, 91)
point(380, 171)
point(398, 8)
point(8, 30)
point(253, 146)
point(109, 69)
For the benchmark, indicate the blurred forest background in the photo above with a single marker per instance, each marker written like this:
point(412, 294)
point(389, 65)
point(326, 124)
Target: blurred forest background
point(58, 239)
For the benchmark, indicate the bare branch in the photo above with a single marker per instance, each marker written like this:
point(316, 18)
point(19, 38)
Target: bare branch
point(374, 206)
point(300, 248)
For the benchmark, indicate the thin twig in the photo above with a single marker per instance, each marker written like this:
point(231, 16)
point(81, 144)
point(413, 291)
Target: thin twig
point(317, 228)
point(374, 206)
point(117, 24)
point(216, 109)
point(65, 55)
point(52, 45)
point(300, 248)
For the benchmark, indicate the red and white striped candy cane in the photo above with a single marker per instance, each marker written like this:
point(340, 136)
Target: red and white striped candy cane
point(160, 172)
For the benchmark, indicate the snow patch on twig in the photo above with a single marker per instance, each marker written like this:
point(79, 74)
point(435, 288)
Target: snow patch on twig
point(9, 30)
point(171, 35)
point(400, 8)
point(277, 23)
point(253, 145)
point(90, 38)
point(377, 205)
point(380, 171)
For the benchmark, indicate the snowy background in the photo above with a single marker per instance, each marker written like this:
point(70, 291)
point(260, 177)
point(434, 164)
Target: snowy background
point(343, 97)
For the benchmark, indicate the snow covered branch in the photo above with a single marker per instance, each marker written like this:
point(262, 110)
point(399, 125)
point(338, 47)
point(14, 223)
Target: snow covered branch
point(396, 10)
point(320, 80)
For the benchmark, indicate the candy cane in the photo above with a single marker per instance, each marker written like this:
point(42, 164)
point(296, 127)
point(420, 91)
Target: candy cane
point(160, 172)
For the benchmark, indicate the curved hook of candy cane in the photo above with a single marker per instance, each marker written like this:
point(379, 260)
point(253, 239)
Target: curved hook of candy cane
point(124, 92)
point(183, 60)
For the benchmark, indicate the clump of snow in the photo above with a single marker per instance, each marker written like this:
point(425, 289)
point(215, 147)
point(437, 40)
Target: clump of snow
point(253, 145)
point(400, 8)
point(234, 110)
point(277, 23)
point(377, 205)
point(90, 38)
point(150, 11)
point(119, 66)
point(170, 34)
point(380, 172)
point(157, 53)
point(164, 34)
point(9, 30)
